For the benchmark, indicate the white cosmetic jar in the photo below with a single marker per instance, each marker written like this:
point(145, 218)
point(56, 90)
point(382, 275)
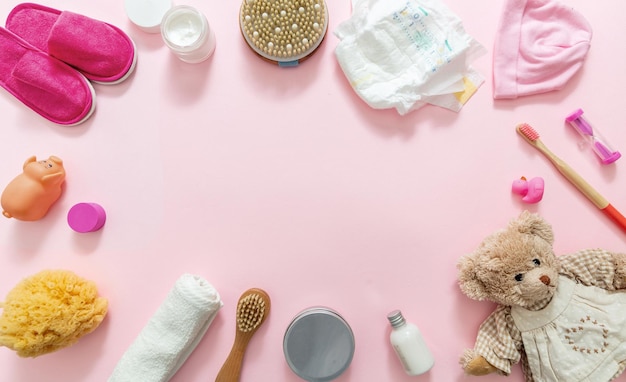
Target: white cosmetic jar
point(186, 31)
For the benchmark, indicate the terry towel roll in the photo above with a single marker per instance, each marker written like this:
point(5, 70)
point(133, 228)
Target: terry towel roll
point(171, 334)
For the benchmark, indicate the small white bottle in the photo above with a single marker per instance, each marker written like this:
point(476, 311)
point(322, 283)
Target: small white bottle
point(409, 345)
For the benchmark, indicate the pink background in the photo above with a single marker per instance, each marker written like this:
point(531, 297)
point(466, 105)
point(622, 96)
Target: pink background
point(251, 175)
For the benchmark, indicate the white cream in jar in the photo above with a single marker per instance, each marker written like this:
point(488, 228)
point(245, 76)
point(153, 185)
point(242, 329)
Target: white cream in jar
point(186, 31)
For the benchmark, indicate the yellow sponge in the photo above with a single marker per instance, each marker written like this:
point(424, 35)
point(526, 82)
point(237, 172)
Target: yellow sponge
point(49, 311)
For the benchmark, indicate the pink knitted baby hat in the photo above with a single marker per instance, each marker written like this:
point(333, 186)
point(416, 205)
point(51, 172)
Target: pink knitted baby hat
point(539, 46)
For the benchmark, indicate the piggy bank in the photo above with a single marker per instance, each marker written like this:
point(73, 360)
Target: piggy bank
point(29, 196)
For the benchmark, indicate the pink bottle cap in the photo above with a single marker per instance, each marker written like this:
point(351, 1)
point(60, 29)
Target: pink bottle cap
point(86, 217)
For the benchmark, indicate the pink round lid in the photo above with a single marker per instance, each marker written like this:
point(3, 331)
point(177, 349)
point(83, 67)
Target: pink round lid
point(86, 217)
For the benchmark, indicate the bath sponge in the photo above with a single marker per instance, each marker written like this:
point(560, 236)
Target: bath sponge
point(49, 311)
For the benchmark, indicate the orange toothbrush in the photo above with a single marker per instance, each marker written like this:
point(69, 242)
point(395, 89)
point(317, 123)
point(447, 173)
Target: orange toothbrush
point(252, 310)
point(585, 188)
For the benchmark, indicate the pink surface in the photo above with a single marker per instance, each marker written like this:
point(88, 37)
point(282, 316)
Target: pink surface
point(252, 175)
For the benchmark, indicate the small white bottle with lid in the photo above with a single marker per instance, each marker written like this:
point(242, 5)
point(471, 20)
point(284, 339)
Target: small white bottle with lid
point(409, 345)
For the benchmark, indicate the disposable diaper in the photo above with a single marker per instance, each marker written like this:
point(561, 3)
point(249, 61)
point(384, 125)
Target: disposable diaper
point(404, 54)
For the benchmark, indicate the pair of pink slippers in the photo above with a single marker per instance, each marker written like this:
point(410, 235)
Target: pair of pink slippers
point(48, 58)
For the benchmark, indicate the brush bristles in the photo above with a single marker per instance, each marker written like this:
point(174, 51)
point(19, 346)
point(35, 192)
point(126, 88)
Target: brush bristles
point(250, 312)
point(283, 28)
point(528, 132)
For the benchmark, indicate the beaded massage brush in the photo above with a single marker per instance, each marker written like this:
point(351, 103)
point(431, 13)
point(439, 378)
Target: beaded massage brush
point(252, 310)
point(284, 32)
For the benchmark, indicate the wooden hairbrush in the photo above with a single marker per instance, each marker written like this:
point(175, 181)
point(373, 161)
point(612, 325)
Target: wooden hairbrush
point(252, 310)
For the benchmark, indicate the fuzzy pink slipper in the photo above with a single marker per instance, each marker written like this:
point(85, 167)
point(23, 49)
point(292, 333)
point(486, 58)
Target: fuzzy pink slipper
point(50, 87)
point(102, 52)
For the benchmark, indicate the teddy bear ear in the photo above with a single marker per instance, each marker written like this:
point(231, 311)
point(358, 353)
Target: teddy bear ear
point(469, 277)
point(533, 224)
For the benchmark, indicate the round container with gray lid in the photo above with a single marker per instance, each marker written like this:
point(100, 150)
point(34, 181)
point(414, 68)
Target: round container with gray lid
point(318, 344)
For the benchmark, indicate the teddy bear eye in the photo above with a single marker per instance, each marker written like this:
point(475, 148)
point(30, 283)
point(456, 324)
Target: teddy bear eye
point(536, 262)
point(519, 277)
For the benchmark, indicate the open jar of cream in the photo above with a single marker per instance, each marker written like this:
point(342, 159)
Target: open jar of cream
point(186, 31)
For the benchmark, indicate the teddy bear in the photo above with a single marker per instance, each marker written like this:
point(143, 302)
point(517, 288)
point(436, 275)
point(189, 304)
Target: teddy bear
point(563, 317)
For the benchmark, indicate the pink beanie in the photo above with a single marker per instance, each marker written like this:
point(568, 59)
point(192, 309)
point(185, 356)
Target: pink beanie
point(539, 46)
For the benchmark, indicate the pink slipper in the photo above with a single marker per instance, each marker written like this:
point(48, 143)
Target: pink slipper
point(102, 52)
point(50, 87)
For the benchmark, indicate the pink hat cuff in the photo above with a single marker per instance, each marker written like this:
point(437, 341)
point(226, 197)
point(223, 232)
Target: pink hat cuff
point(506, 49)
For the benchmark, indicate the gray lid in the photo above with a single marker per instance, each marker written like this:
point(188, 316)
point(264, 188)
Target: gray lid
point(396, 318)
point(318, 345)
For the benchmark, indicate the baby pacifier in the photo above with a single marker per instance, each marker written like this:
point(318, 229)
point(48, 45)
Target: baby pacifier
point(531, 190)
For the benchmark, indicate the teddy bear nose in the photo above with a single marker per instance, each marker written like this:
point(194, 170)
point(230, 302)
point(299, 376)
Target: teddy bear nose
point(545, 279)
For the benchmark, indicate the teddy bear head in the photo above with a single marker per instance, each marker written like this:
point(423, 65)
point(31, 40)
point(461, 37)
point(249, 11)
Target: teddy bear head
point(515, 266)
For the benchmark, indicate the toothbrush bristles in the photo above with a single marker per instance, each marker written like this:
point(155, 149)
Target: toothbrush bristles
point(528, 132)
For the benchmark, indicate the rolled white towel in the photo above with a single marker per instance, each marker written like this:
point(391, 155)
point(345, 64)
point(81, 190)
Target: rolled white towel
point(171, 334)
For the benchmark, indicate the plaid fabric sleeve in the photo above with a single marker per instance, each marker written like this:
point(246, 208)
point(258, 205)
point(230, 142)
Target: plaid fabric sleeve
point(592, 267)
point(499, 341)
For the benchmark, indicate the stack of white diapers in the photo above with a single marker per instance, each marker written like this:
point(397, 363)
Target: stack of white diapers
point(408, 53)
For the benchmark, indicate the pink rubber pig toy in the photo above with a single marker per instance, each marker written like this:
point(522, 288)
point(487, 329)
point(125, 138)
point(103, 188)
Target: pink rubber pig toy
point(531, 190)
point(29, 196)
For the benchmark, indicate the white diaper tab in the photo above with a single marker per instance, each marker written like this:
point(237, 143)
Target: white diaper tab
point(405, 53)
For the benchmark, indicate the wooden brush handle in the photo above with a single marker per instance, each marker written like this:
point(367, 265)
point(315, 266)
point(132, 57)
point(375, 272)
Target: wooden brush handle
point(575, 179)
point(252, 310)
point(231, 369)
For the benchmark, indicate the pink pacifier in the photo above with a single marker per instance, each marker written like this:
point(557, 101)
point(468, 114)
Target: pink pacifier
point(531, 190)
